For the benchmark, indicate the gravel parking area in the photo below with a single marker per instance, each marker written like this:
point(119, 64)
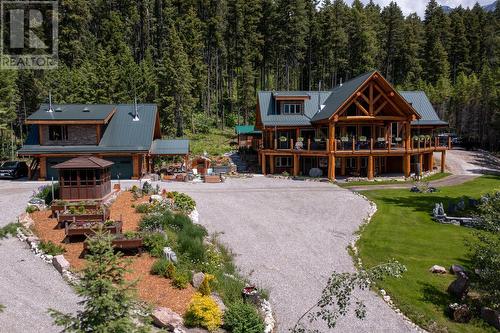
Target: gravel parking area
point(289, 236)
point(28, 286)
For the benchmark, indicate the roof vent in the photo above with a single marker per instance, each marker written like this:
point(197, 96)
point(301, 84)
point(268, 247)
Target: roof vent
point(136, 112)
point(50, 103)
point(58, 109)
point(86, 109)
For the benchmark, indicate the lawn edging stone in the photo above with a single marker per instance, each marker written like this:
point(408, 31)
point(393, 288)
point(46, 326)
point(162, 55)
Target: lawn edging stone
point(24, 234)
point(359, 263)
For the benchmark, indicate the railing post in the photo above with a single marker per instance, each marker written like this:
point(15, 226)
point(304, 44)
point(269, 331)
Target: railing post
point(353, 144)
point(275, 144)
point(449, 142)
point(291, 143)
point(327, 145)
point(334, 145)
point(389, 144)
point(371, 145)
point(308, 144)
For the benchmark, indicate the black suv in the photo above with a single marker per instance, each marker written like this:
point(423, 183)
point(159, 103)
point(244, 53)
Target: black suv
point(13, 169)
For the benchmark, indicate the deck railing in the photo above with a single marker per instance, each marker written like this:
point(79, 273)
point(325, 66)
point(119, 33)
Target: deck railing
point(363, 144)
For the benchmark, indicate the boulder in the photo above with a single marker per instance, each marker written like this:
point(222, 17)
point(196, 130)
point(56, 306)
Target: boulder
point(197, 279)
point(220, 303)
point(436, 269)
point(459, 313)
point(166, 318)
point(492, 317)
point(460, 287)
point(60, 263)
point(169, 254)
point(454, 269)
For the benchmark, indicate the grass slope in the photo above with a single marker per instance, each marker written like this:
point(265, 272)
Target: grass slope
point(433, 177)
point(216, 142)
point(403, 229)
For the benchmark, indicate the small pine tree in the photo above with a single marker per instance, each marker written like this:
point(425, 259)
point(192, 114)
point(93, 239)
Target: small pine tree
point(107, 298)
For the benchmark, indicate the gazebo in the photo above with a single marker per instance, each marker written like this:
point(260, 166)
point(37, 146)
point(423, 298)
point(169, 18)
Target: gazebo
point(84, 178)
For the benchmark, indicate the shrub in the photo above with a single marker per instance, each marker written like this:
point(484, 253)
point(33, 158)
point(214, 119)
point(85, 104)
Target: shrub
point(183, 202)
point(243, 318)
point(180, 279)
point(203, 312)
point(154, 243)
point(192, 247)
point(147, 188)
point(48, 247)
point(159, 267)
point(131, 234)
point(204, 288)
point(31, 209)
point(45, 193)
point(142, 208)
point(9, 229)
point(157, 221)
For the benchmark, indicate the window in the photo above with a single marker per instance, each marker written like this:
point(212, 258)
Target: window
point(58, 132)
point(283, 162)
point(292, 108)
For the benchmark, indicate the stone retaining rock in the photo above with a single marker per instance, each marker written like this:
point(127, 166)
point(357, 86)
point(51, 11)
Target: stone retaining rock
point(60, 263)
point(197, 279)
point(166, 318)
point(492, 317)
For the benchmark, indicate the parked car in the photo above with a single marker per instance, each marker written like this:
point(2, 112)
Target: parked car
point(13, 169)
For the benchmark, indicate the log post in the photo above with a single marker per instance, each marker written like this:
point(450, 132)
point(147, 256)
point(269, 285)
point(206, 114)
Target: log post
point(431, 161)
point(271, 164)
point(370, 167)
point(443, 160)
point(308, 144)
point(43, 168)
point(407, 165)
point(421, 163)
point(263, 160)
point(295, 165)
point(331, 167)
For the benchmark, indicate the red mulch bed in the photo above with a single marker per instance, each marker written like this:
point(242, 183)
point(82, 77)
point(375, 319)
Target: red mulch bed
point(150, 288)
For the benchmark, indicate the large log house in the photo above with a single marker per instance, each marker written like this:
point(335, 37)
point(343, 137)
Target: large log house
point(362, 128)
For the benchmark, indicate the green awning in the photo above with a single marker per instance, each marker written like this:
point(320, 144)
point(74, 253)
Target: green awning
point(246, 129)
point(170, 147)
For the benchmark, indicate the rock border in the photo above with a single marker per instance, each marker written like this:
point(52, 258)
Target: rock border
point(359, 263)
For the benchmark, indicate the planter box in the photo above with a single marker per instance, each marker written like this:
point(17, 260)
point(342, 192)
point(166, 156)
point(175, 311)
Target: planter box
point(124, 244)
point(88, 228)
point(84, 217)
point(222, 169)
point(212, 179)
point(168, 177)
point(61, 208)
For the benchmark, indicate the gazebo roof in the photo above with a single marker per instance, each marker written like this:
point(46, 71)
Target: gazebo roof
point(84, 162)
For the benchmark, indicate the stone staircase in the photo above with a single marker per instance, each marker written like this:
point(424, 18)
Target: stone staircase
point(241, 166)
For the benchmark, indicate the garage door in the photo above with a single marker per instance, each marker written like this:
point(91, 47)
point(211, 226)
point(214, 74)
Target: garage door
point(51, 172)
point(122, 167)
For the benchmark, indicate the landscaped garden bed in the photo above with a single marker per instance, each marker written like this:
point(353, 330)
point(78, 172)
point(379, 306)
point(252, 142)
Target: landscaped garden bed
point(174, 249)
point(81, 214)
point(61, 206)
point(403, 229)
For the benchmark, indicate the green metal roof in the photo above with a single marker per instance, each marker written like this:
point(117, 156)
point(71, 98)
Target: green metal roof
point(268, 108)
point(73, 112)
point(340, 94)
point(420, 102)
point(122, 134)
point(170, 147)
point(246, 129)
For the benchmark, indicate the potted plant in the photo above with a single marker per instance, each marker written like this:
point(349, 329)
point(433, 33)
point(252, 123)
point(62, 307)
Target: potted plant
point(300, 139)
point(344, 139)
point(283, 139)
point(398, 139)
point(362, 138)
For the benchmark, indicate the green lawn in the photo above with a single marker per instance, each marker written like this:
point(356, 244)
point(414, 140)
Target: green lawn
point(435, 176)
point(217, 142)
point(403, 229)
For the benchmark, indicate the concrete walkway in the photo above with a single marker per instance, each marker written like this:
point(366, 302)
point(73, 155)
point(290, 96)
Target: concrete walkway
point(28, 286)
point(288, 237)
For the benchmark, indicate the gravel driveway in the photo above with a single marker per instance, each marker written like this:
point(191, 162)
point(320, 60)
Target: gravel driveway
point(289, 236)
point(28, 286)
